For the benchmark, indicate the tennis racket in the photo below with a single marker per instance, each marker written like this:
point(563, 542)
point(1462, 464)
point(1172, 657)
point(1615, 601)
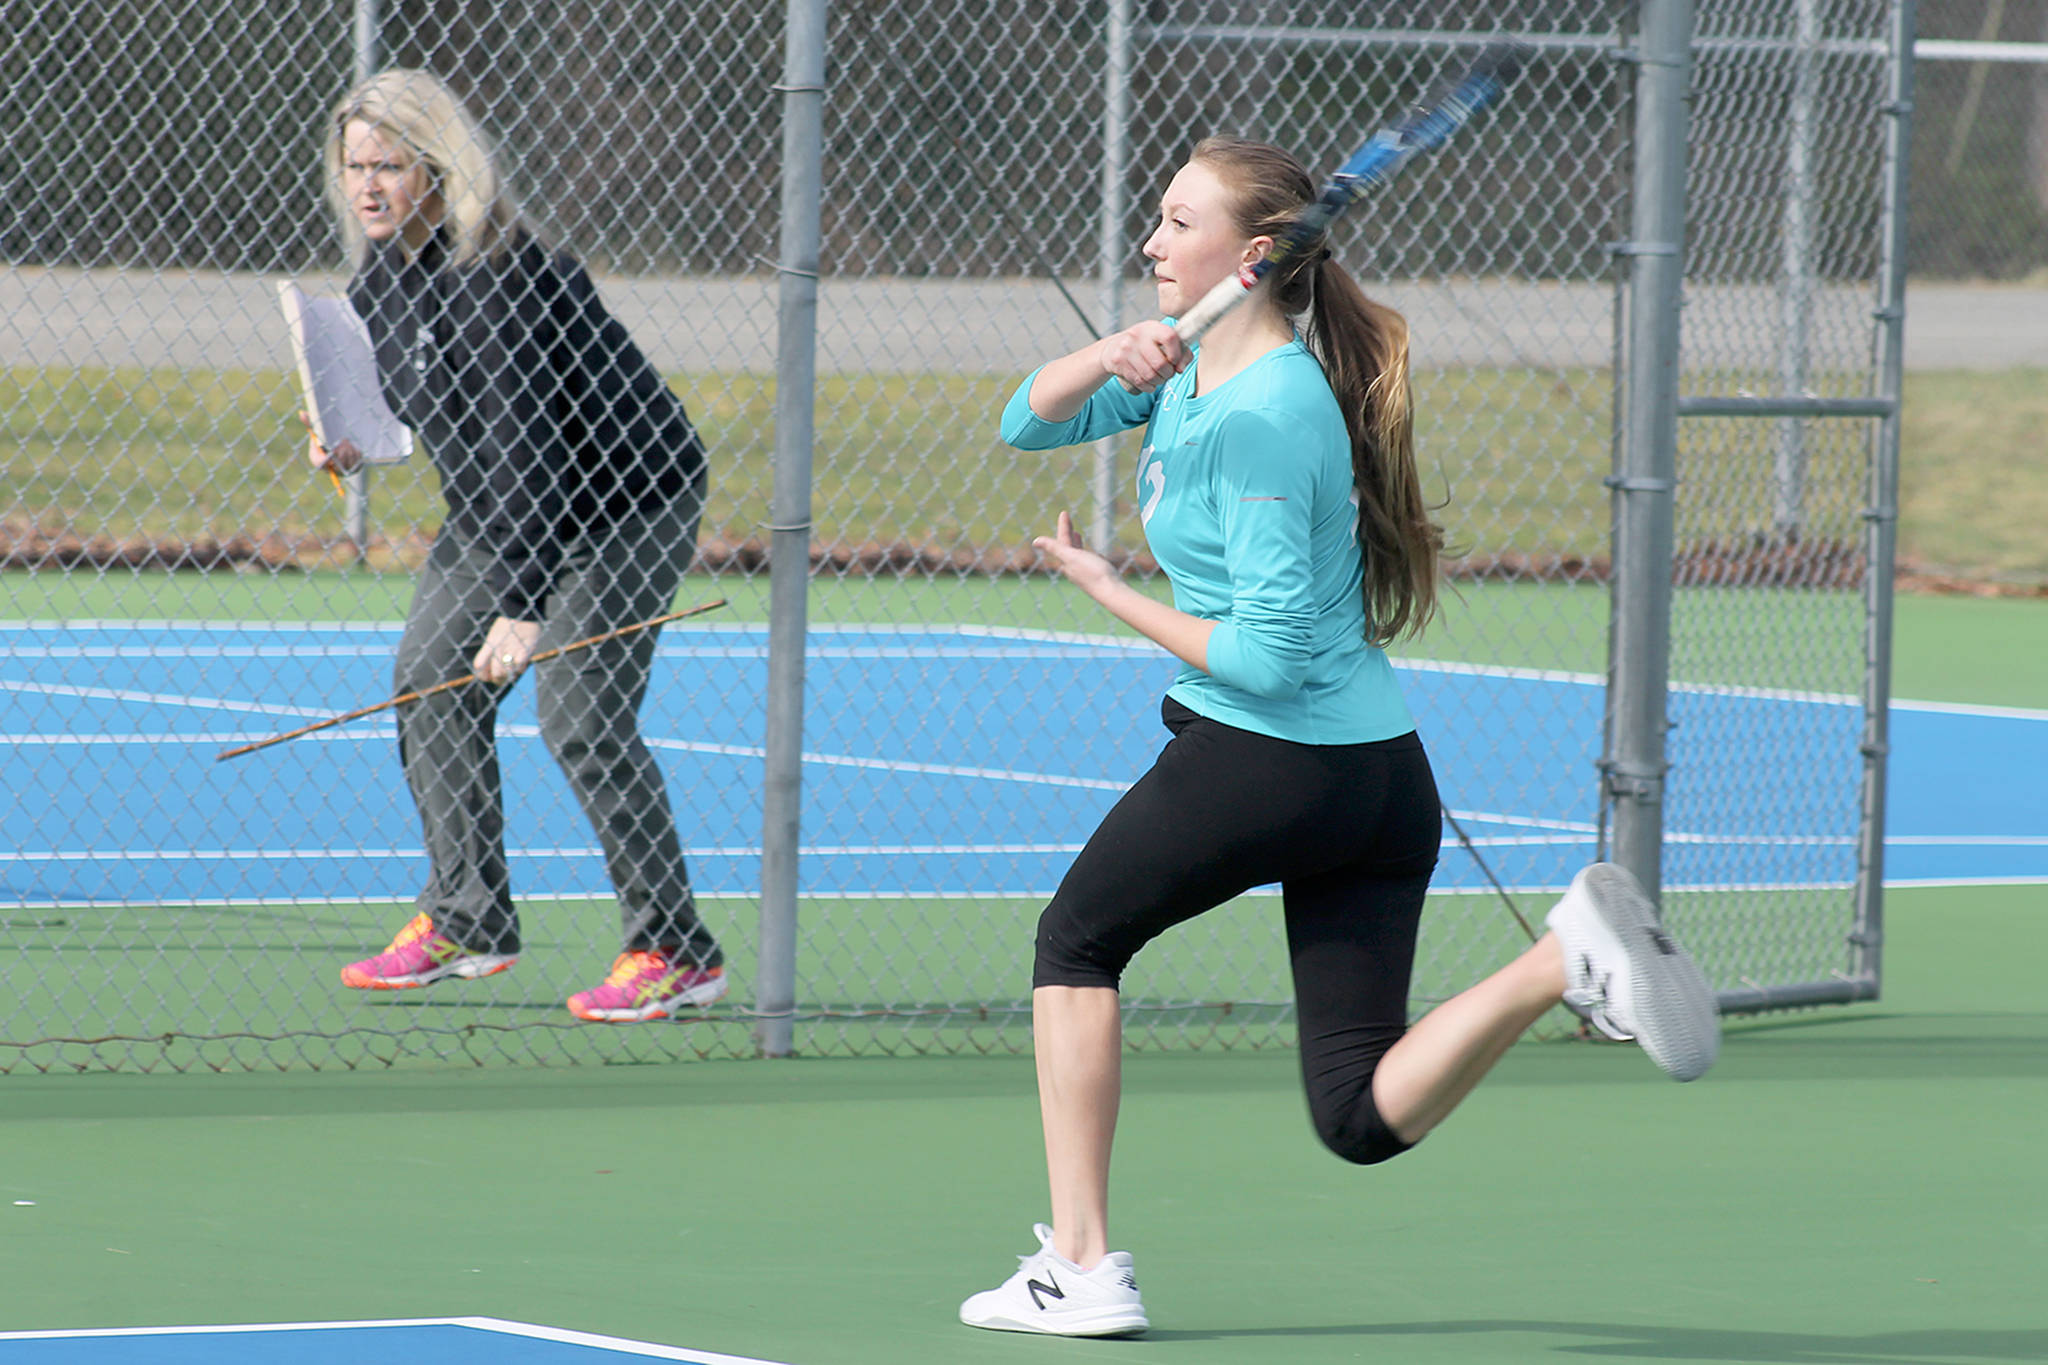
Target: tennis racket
point(1429, 127)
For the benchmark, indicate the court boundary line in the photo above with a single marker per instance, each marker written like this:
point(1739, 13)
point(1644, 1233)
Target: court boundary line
point(245, 855)
point(1927, 884)
point(1095, 641)
point(171, 623)
point(498, 1326)
point(1039, 895)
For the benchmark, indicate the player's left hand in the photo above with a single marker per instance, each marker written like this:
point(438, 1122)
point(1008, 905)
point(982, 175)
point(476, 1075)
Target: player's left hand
point(507, 649)
point(1083, 567)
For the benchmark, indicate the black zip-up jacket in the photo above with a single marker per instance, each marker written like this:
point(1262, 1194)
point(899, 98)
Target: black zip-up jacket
point(545, 421)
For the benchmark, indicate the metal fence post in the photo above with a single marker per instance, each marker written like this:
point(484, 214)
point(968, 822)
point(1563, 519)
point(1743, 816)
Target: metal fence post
point(1881, 515)
point(1796, 313)
point(1639, 671)
point(1110, 245)
point(356, 483)
point(803, 155)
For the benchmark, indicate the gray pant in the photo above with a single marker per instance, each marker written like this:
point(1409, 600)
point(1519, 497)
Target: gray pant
point(589, 703)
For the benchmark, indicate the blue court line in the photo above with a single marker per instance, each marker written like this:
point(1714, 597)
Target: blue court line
point(922, 777)
point(443, 1341)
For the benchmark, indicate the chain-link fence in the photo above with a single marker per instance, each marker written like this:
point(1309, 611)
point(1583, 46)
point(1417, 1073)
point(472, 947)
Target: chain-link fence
point(1979, 208)
point(1788, 350)
point(178, 581)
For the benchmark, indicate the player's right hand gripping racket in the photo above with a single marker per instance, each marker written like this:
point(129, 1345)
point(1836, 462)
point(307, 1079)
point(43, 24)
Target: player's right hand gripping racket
point(1444, 113)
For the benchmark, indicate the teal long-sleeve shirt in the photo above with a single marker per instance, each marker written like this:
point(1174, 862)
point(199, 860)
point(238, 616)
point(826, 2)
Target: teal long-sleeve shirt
point(1246, 496)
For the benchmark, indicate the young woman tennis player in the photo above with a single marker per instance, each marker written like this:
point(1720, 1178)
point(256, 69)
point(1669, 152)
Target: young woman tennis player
point(1279, 492)
point(574, 482)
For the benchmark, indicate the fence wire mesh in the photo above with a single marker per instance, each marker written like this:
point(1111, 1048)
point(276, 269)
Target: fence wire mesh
point(1979, 209)
point(179, 582)
point(1786, 193)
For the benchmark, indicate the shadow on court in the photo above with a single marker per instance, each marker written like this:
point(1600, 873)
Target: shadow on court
point(1928, 1046)
point(1854, 1043)
point(1638, 1341)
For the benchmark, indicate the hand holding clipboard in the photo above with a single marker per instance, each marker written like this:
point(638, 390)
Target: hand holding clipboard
point(338, 371)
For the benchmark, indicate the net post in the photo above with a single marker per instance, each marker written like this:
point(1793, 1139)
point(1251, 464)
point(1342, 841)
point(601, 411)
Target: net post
point(1639, 665)
point(803, 151)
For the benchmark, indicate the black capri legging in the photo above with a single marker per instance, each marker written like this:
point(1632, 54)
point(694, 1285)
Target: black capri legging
point(1351, 833)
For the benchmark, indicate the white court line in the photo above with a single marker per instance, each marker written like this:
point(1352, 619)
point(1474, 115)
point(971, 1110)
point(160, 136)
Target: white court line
point(1798, 840)
point(358, 731)
point(1481, 817)
point(675, 651)
point(1967, 881)
point(1117, 643)
point(1025, 893)
point(316, 855)
point(1967, 841)
point(187, 652)
point(898, 765)
point(1456, 669)
point(170, 626)
point(891, 765)
point(330, 855)
point(151, 698)
point(1089, 642)
point(1718, 689)
point(498, 1326)
point(1956, 708)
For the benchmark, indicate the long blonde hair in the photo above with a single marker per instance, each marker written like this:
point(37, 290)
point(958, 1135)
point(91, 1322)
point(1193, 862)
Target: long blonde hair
point(1363, 348)
point(419, 112)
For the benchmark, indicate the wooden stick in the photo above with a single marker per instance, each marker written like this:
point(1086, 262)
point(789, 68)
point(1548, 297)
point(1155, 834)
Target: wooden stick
point(554, 653)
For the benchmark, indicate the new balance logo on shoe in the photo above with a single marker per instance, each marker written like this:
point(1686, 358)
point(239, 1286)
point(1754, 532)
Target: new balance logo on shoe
point(1665, 946)
point(1051, 1291)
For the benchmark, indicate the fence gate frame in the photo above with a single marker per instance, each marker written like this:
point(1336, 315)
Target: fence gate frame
point(1644, 484)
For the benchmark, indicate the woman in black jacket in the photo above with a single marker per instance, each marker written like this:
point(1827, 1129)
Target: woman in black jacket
point(574, 483)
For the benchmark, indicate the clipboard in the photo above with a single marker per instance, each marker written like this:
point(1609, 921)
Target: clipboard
point(338, 371)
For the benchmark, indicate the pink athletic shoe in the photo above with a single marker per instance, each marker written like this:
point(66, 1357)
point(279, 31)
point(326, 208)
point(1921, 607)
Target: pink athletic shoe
point(648, 985)
point(420, 956)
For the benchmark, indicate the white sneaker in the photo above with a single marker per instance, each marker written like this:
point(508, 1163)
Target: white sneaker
point(1050, 1294)
point(1628, 978)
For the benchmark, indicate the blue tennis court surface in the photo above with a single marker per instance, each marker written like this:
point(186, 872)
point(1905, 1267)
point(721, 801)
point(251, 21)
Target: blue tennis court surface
point(451, 1341)
point(938, 763)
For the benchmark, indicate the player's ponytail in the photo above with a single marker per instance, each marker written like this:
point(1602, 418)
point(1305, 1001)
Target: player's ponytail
point(1363, 348)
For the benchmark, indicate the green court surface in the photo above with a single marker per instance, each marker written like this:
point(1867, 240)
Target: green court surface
point(1848, 1185)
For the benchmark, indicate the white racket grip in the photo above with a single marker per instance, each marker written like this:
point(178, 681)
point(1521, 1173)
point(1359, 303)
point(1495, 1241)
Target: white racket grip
point(1208, 309)
point(1227, 294)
